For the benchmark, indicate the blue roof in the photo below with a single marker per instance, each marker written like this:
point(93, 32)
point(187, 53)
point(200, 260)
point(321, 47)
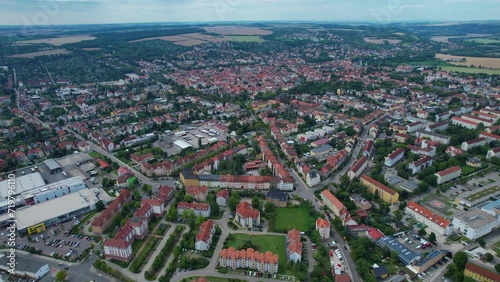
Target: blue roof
point(405, 255)
point(492, 205)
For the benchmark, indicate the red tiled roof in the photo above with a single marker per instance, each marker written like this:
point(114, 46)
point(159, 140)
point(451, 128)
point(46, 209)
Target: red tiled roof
point(245, 210)
point(449, 171)
point(396, 153)
point(374, 233)
point(482, 271)
point(491, 135)
point(322, 223)
point(193, 206)
point(378, 184)
point(249, 254)
point(330, 197)
point(477, 140)
point(465, 121)
point(205, 231)
point(223, 193)
point(358, 164)
point(439, 220)
point(112, 209)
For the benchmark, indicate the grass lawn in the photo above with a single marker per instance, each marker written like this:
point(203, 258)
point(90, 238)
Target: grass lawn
point(438, 197)
point(470, 70)
point(216, 279)
point(95, 155)
point(271, 243)
point(467, 169)
point(290, 218)
point(497, 248)
point(137, 244)
point(245, 38)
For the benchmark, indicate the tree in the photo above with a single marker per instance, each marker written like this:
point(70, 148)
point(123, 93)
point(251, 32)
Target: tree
point(99, 206)
point(488, 257)
point(255, 202)
point(199, 142)
point(460, 260)
point(233, 201)
point(481, 242)
point(421, 232)
point(61, 276)
point(269, 207)
point(432, 237)
point(188, 215)
point(497, 267)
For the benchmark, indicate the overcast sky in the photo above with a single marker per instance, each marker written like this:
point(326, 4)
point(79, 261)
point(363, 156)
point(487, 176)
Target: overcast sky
point(15, 12)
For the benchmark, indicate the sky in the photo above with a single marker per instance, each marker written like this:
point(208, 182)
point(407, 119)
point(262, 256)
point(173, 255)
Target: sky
point(54, 12)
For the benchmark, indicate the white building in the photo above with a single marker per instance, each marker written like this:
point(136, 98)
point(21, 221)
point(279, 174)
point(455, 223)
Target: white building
point(312, 178)
point(467, 145)
point(429, 218)
point(25, 267)
point(357, 168)
point(323, 227)
point(394, 157)
point(204, 238)
point(474, 223)
point(448, 174)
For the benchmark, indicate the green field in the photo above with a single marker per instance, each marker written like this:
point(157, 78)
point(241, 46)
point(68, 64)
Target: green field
point(470, 70)
point(467, 169)
point(245, 38)
point(217, 279)
point(292, 218)
point(271, 243)
point(483, 41)
point(95, 155)
point(497, 248)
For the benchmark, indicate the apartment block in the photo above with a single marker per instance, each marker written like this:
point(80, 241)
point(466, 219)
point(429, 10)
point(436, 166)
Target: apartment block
point(385, 193)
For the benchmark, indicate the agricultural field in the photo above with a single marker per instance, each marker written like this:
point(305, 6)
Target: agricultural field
point(265, 243)
point(484, 41)
point(237, 30)
point(58, 41)
point(381, 40)
point(292, 218)
point(493, 63)
point(470, 70)
point(445, 39)
point(91, 49)
point(244, 38)
point(42, 53)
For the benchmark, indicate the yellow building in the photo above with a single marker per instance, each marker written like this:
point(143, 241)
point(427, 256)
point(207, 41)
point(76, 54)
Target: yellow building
point(189, 179)
point(385, 193)
point(481, 274)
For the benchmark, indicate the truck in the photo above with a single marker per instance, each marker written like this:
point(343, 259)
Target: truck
point(180, 133)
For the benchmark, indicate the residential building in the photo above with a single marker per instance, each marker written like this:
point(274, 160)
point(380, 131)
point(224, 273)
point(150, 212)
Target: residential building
point(473, 162)
point(222, 197)
point(467, 145)
point(277, 197)
point(385, 193)
point(199, 193)
point(474, 223)
point(321, 151)
point(188, 178)
point(394, 157)
point(435, 137)
point(246, 215)
point(448, 174)
point(250, 259)
point(104, 219)
point(313, 178)
point(420, 164)
point(423, 264)
point(357, 168)
point(485, 121)
point(429, 218)
point(489, 136)
point(204, 237)
point(334, 204)
point(165, 194)
point(368, 149)
point(323, 227)
point(479, 273)
point(495, 152)
point(293, 246)
point(464, 123)
point(120, 247)
point(361, 202)
point(415, 126)
point(199, 209)
point(454, 151)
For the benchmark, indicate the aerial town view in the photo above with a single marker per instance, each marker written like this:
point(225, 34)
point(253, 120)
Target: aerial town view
point(231, 141)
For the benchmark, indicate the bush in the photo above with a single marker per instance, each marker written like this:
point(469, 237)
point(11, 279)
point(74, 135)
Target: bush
point(160, 259)
point(139, 260)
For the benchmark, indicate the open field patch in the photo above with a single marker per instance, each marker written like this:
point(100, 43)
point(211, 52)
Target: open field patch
point(471, 70)
point(374, 40)
point(190, 42)
point(483, 40)
point(244, 38)
point(58, 41)
point(292, 218)
point(485, 62)
point(91, 49)
point(237, 30)
point(42, 53)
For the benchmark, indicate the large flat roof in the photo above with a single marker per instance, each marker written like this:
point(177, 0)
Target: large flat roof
point(23, 183)
point(52, 164)
point(42, 212)
point(182, 144)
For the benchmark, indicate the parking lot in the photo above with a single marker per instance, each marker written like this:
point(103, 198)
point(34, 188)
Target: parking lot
point(57, 240)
